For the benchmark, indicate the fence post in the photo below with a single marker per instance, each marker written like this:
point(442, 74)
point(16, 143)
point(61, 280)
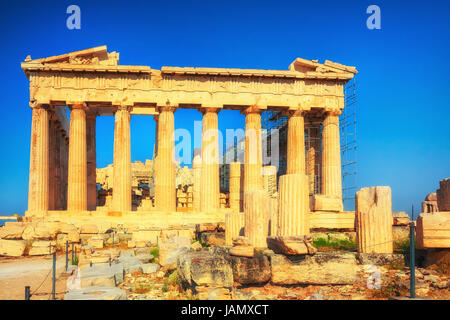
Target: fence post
point(412, 262)
point(72, 253)
point(27, 293)
point(67, 254)
point(113, 239)
point(54, 276)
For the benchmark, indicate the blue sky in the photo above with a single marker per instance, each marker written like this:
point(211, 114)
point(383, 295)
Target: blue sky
point(403, 90)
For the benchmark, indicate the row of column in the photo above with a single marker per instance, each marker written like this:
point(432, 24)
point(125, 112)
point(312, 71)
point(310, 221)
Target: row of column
point(47, 169)
point(63, 170)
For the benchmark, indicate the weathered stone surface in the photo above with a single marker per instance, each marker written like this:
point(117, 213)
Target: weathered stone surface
point(319, 269)
point(12, 248)
point(89, 228)
point(42, 247)
point(96, 293)
point(144, 257)
point(12, 231)
point(374, 220)
point(242, 251)
point(234, 222)
point(443, 195)
point(291, 245)
point(321, 202)
point(213, 238)
point(254, 270)
point(400, 233)
point(150, 268)
point(171, 248)
point(146, 235)
point(381, 259)
point(97, 242)
point(204, 227)
point(102, 275)
point(433, 230)
point(256, 217)
point(204, 268)
point(400, 218)
point(130, 263)
point(293, 206)
point(430, 203)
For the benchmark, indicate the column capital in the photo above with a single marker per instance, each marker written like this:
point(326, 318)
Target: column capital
point(209, 109)
point(165, 108)
point(124, 107)
point(332, 112)
point(254, 109)
point(77, 105)
point(294, 113)
point(39, 105)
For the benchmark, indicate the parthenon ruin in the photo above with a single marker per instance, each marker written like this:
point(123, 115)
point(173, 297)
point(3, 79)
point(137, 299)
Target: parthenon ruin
point(91, 83)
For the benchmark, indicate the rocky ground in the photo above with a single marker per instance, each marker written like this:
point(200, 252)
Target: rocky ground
point(145, 279)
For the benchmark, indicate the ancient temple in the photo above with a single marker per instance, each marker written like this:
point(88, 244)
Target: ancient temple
point(91, 83)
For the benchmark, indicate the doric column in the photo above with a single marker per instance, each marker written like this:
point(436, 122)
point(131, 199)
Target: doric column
point(313, 157)
point(77, 171)
point(51, 162)
point(253, 153)
point(256, 216)
point(58, 169)
point(331, 155)
point(91, 162)
point(39, 182)
point(296, 143)
point(197, 173)
point(210, 185)
point(165, 196)
point(236, 187)
point(293, 206)
point(122, 161)
point(64, 158)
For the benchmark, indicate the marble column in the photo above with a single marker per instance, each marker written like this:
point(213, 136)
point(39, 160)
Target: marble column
point(313, 158)
point(293, 206)
point(210, 179)
point(331, 156)
point(77, 171)
point(165, 193)
point(296, 143)
point(197, 173)
point(253, 155)
point(256, 216)
point(64, 147)
point(51, 161)
point(91, 162)
point(58, 169)
point(236, 186)
point(122, 161)
point(39, 179)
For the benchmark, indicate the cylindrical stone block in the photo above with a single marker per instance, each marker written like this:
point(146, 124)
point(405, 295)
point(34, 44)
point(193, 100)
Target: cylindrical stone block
point(253, 153)
point(331, 156)
point(256, 217)
point(165, 191)
point(236, 186)
point(77, 175)
point(122, 162)
point(91, 162)
point(197, 176)
point(269, 174)
point(293, 205)
point(374, 220)
point(234, 226)
point(39, 157)
point(273, 215)
point(210, 178)
point(296, 144)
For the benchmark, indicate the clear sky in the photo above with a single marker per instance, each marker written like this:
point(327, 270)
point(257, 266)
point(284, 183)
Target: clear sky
point(403, 87)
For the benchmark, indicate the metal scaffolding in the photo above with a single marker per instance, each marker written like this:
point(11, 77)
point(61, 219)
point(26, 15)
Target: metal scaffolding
point(349, 145)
